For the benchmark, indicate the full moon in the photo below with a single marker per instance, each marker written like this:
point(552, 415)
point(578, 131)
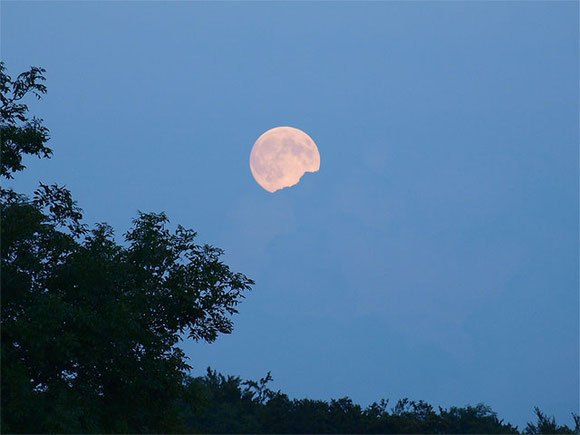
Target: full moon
point(281, 156)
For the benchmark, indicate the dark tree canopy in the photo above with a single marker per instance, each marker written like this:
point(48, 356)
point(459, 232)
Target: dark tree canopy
point(230, 405)
point(90, 327)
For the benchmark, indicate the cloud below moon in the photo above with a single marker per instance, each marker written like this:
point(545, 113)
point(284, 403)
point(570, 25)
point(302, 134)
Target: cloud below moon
point(281, 156)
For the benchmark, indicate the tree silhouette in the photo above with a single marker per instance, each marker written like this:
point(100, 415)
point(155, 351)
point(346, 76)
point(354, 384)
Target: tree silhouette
point(230, 405)
point(20, 135)
point(90, 327)
point(548, 425)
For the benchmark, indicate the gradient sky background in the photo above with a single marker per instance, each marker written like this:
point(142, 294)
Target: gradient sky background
point(435, 253)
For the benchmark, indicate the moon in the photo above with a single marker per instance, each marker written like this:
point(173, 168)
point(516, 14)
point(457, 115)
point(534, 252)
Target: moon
point(281, 156)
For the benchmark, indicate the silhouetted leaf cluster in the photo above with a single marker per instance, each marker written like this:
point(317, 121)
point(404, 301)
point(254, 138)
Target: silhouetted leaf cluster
point(20, 135)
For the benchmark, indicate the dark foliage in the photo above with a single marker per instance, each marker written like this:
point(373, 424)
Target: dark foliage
point(230, 405)
point(90, 328)
point(20, 135)
point(545, 424)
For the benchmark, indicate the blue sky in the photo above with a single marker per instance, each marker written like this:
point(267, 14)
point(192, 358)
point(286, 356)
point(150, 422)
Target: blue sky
point(434, 255)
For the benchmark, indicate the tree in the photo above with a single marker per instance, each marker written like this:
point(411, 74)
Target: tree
point(226, 406)
point(90, 327)
point(20, 135)
point(548, 425)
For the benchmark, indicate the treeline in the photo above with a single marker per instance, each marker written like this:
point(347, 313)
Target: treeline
point(223, 404)
point(90, 328)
